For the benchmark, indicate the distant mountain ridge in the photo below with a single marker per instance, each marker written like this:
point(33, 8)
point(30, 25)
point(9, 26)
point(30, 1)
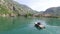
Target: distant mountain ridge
point(55, 11)
point(50, 12)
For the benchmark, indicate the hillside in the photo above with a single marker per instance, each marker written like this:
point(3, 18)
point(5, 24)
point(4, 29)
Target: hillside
point(11, 7)
point(50, 12)
point(54, 11)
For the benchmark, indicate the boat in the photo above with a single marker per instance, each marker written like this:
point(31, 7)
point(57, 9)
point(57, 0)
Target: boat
point(39, 25)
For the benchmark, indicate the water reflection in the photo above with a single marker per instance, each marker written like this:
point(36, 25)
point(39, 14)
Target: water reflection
point(10, 23)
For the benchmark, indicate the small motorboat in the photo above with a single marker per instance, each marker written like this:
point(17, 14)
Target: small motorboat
point(39, 25)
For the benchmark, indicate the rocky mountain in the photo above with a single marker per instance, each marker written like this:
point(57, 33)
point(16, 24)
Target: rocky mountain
point(54, 11)
point(50, 12)
point(11, 7)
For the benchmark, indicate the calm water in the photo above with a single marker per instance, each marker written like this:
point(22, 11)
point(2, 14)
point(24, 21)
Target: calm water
point(22, 25)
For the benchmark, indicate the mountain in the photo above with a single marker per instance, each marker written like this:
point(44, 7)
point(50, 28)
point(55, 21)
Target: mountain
point(50, 12)
point(53, 11)
point(11, 7)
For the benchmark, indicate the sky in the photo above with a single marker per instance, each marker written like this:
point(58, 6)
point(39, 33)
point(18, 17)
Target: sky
point(40, 5)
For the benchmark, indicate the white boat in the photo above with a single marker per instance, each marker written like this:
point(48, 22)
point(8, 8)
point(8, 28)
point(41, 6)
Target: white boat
point(38, 24)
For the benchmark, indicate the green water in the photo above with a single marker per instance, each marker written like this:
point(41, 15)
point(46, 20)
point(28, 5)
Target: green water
point(22, 25)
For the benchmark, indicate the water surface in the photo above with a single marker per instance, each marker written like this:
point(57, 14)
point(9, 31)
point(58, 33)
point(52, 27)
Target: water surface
point(22, 25)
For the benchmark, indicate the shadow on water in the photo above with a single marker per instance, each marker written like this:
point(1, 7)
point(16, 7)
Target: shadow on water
point(13, 21)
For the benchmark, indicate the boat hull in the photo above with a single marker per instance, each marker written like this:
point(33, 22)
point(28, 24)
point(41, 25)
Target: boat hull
point(39, 26)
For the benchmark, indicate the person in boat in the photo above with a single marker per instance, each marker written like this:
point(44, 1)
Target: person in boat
point(39, 23)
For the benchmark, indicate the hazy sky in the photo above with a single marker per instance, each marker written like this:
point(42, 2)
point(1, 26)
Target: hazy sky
point(40, 5)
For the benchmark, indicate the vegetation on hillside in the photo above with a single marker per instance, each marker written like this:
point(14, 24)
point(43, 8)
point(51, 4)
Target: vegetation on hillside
point(13, 8)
